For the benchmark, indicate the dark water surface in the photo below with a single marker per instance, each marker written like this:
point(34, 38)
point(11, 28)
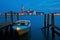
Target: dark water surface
point(37, 22)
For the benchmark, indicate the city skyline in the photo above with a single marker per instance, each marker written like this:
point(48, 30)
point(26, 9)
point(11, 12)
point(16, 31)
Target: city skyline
point(46, 6)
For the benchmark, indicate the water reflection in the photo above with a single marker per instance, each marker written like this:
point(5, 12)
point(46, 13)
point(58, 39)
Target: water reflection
point(36, 33)
point(15, 36)
point(44, 34)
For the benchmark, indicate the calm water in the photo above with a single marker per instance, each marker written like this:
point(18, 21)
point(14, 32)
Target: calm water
point(37, 22)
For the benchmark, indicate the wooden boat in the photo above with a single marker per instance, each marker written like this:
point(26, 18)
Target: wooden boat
point(22, 26)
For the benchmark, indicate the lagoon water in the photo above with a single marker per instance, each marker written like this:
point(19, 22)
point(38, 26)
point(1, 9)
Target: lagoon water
point(37, 22)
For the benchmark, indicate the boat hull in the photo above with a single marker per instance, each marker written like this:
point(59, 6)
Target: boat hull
point(22, 32)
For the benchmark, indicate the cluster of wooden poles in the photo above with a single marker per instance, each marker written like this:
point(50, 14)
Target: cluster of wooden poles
point(5, 25)
point(47, 25)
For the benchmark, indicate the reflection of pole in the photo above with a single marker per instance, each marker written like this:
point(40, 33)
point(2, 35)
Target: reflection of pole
point(17, 16)
point(1, 33)
point(5, 17)
point(11, 17)
point(52, 26)
point(6, 31)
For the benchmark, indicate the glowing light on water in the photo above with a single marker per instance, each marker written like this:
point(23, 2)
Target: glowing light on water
point(17, 28)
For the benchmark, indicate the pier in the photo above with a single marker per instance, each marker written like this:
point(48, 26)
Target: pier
point(47, 25)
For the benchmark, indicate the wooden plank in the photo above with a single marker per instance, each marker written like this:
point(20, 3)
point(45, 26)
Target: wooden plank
point(57, 33)
point(4, 25)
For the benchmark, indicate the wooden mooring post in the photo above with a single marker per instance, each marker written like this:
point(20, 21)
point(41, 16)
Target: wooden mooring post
point(45, 20)
point(11, 24)
point(11, 17)
point(53, 35)
point(17, 16)
point(45, 24)
point(5, 17)
point(48, 23)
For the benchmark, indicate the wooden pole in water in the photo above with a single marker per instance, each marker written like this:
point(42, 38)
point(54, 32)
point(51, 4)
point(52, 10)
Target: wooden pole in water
point(45, 24)
point(52, 26)
point(11, 19)
point(48, 23)
point(17, 16)
point(5, 17)
point(45, 20)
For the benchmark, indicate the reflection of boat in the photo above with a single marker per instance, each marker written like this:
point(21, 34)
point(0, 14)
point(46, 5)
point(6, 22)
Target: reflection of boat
point(22, 26)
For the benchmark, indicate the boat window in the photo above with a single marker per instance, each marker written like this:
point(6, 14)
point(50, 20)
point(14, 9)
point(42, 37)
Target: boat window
point(22, 23)
point(27, 23)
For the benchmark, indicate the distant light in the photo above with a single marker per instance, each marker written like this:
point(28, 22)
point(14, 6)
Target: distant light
point(50, 14)
point(28, 11)
point(41, 14)
point(22, 13)
point(19, 13)
point(57, 14)
point(8, 14)
point(0, 13)
point(19, 24)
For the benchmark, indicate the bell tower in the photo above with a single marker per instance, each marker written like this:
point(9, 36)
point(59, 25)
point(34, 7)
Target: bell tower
point(22, 9)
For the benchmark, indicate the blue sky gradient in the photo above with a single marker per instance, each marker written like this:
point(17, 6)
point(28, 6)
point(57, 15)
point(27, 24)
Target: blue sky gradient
point(46, 6)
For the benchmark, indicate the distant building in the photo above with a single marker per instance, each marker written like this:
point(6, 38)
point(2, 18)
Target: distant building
point(57, 13)
point(40, 13)
point(29, 12)
point(34, 12)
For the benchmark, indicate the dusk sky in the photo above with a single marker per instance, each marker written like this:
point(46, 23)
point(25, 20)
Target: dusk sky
point(46, 6)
